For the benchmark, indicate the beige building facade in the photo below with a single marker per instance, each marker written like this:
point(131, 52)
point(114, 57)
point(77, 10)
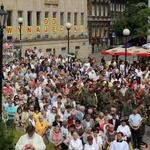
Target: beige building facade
point(44, 25)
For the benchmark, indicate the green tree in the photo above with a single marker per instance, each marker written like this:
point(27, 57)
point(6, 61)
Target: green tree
point(135, 18)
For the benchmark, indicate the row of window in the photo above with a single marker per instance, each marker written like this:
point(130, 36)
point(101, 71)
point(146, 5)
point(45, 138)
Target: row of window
point(38, 17)
point(117, 7)
point(99, 10)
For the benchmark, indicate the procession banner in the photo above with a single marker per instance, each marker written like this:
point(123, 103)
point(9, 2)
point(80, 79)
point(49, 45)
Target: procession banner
point(38, 29)
point(9, 30)
point(29, 31)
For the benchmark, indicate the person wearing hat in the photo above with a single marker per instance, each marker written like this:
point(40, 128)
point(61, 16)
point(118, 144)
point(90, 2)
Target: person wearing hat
point(143, 112)
point(91, 145)
point(127, 109)
point(41, 126)
point(129, 93)
point(125, 130)
point(114, 102)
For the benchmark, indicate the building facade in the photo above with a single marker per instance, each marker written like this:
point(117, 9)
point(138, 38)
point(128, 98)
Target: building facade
point(101, 16)
point(44, 25)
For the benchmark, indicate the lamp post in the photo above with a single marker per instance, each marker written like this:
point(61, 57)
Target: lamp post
point(68, 27)
point(20, 21)
point(3, 20)
point(126, 33)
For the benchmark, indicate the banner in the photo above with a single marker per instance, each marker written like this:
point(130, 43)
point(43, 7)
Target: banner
point(46, 29)
point(38, 29)
point(19, 30)
point(9, 30)
point(29, 31)
point(61, 29)
point(81, 29)
point(75, 29)
point(46, 22)
point(54, 22)
point(54, 27)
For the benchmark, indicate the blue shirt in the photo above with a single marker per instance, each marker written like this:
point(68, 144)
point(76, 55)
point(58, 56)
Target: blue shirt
point(135, 119)
point(10, 110)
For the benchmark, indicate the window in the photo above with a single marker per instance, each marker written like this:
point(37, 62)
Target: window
point(82, 18)
point(49, 50)
point(19, 14)
point(46, 14)
point(77, 47)
point(54, 14)
point(75, 18)
point(93, 10)
point(106, 10)
point(29, 16)
point(38, 18)
point(9, 20)
point(63, 48)
point(69, 17)
point(61, 18)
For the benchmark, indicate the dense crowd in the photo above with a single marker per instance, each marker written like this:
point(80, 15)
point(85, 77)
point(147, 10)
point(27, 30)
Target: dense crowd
point(77, 105)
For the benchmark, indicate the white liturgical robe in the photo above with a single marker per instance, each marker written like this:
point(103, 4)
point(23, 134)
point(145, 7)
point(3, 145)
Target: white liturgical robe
point(94, 146)
point(76, 144)
point(119, 145)
point(36, 140)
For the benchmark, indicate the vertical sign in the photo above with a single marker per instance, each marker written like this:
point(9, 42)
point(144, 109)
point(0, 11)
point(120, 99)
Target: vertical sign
point(29, 31)
point(81, 29)
point(9, 30)
point(46, 22)
point(54, 28)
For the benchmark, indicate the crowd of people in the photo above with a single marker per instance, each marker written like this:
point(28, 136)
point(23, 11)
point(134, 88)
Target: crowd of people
point(77, 105)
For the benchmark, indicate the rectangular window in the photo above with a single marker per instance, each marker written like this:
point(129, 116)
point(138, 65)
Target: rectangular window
point(9, 20)
point(49, 50)
point(46, 14)
point(29, 17)
point(38, 18)
point(54, 14)
point(68, 17)
point(20, 13)
point(82, 18)
point(61, 18)
point(63, 48)
point(75, 18)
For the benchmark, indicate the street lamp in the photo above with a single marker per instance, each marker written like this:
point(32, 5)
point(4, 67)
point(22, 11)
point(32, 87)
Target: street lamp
point(20, 21)
point(3, 20)
point(68, 27)
point(126, 33)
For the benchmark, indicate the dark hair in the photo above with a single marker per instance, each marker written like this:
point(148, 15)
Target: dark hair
point(78, 121)
point(95, 129)
point(120, 133)
point(144, 144)
point(30, 129)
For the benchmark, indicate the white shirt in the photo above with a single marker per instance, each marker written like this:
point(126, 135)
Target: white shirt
point(124, 130)
point(36, 140)
point(32, 122)
point(77, 144)
point(94, 146)
point(119, 145)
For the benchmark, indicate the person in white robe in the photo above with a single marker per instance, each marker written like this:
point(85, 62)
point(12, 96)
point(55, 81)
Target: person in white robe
point(119, 144)
point(30, 141)
point(75, 143)
point(91, 145)
point(124, 129)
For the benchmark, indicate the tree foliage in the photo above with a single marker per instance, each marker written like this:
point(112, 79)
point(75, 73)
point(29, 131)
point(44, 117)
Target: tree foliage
point(135, 18)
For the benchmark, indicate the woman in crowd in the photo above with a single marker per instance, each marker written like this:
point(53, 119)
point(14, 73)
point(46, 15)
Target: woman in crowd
point(51, 117)
point(79, 128)
point(19, 120)
point(97, 139)
point(111, 135)
point(11, 112)
point(75, 143)
point(37, 113)
point(40, 126)
point(56, 138)
point(57, 121)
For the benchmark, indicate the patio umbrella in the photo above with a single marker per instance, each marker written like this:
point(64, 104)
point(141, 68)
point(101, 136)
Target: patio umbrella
point(143, 54)
point(122, 53)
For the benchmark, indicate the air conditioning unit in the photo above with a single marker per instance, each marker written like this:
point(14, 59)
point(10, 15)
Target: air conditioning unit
point(46, 36)
point(38, 37)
